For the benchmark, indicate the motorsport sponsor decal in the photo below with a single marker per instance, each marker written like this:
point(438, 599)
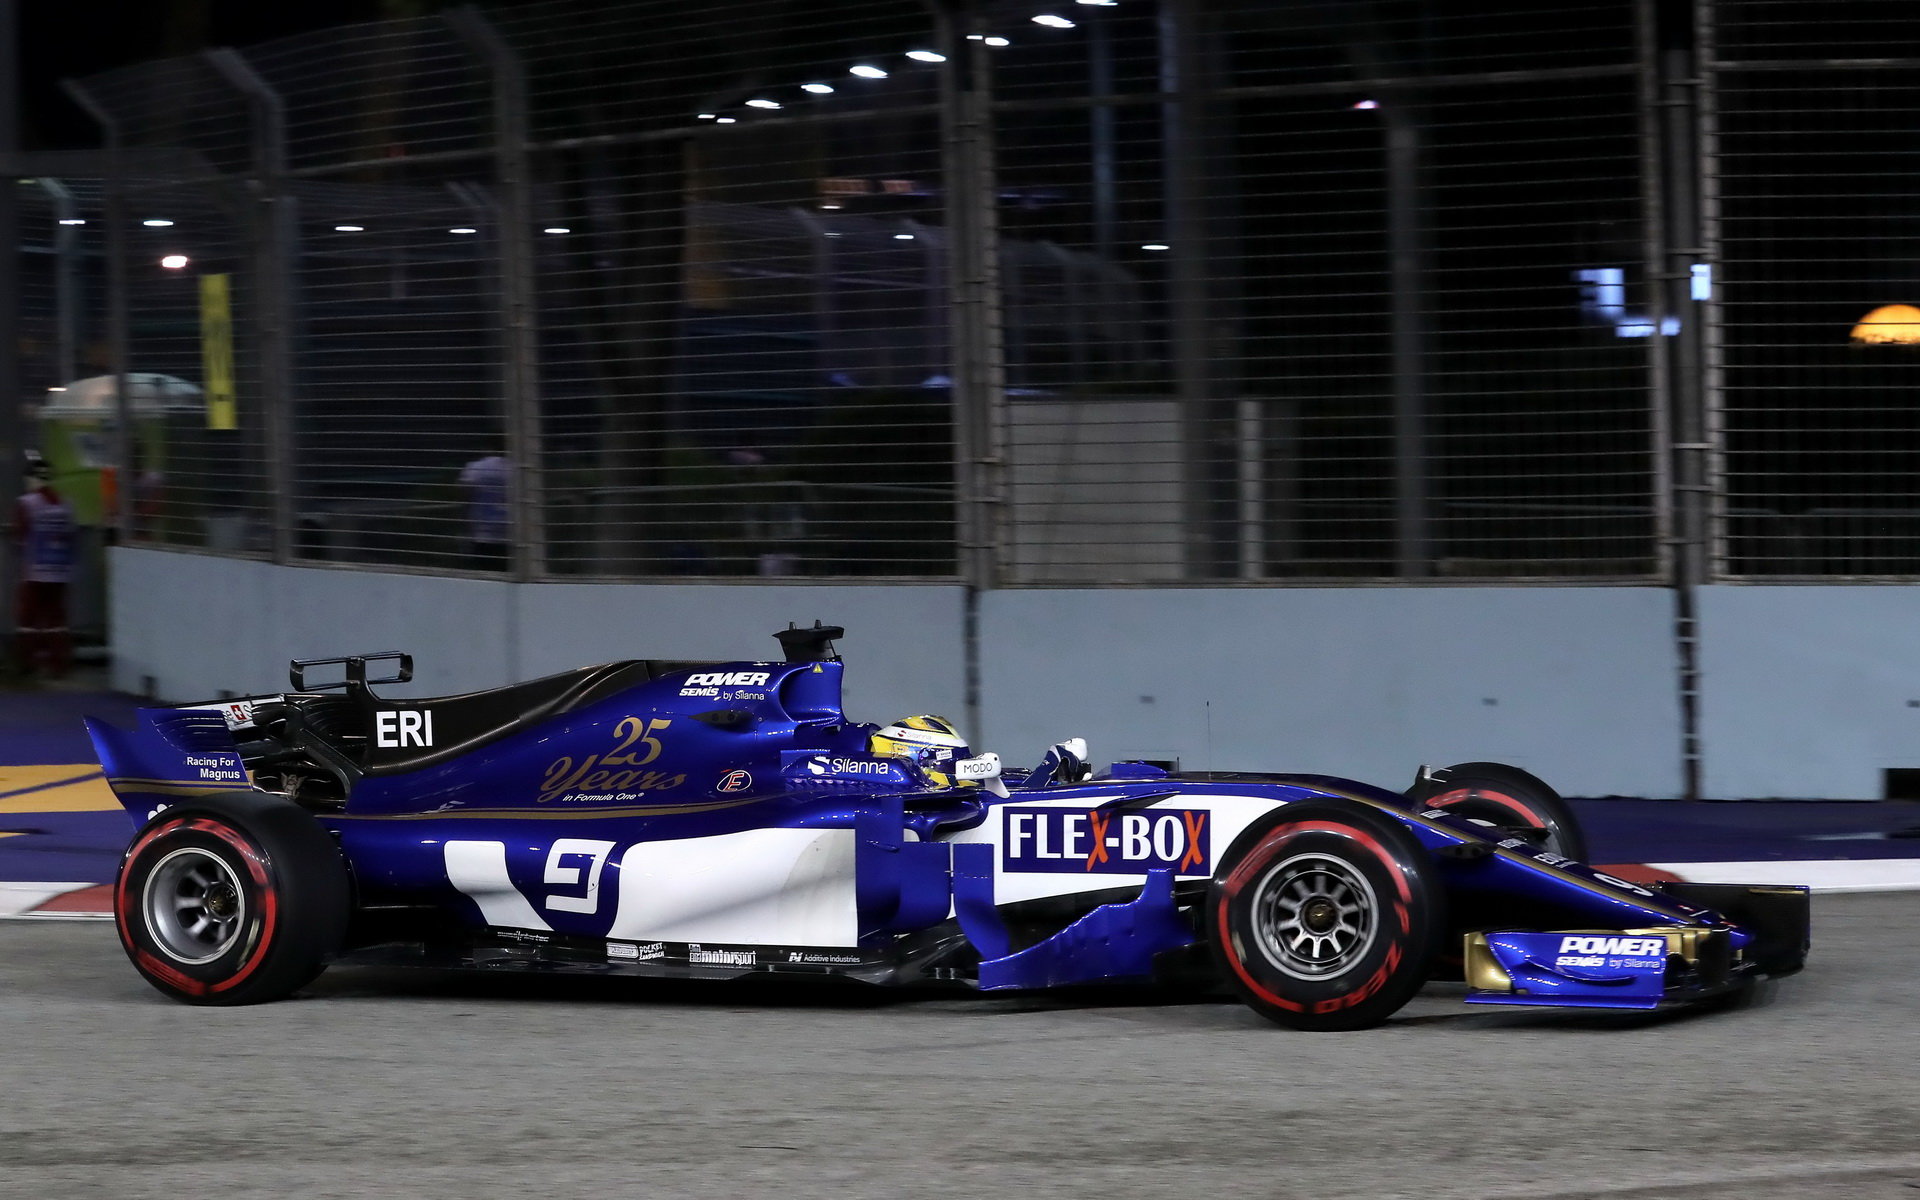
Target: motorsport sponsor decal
point(237, 713)
point(1124, 843)
point(396, 729)
point(822, 764)
point(983, 766)
point(735, 781)
point(636, 951)
point(522, 935)
point(1620, 953)
point(700, 956)
point(825, 958)
point(1607, 970)
point(220, 767)
point(814, 766)
point(637, 741)
point(709, 683)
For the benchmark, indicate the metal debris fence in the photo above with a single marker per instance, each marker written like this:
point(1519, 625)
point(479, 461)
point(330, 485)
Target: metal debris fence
point(1138, 292)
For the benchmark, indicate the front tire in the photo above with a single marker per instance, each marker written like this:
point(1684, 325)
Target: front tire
point(1506, 797)
point(1326, 915)
point(234, 901)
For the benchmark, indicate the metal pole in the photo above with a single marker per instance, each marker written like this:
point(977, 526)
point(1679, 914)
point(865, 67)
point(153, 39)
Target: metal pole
point(1681, 165)
point(114, 212)
point(11, 426)
point(1106, 187)
point(1407, 259)
point(1183, 135)
point(979, 368)
point(518, 306)
point(273, 244)
point(66, 297)
point(979, 357)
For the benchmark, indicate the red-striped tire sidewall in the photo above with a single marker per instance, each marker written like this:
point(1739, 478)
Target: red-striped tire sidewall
point(1506, 796)
point(205, 982)
point(1522, 815)
point(1406, 925)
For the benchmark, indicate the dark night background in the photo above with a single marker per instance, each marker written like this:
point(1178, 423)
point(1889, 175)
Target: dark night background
point(60, 39)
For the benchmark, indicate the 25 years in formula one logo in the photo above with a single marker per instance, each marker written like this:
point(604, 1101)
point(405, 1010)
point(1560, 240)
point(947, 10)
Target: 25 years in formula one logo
point(1120, 843)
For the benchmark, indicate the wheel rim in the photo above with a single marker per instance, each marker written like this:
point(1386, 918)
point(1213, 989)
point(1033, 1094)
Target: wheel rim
point(1314, 916)
point(194, 905)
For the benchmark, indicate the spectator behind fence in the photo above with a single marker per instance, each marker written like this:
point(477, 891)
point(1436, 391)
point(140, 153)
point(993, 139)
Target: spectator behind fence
point(43, 539)
point(485, 480)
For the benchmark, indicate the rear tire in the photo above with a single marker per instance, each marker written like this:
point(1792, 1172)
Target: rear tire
point(1325, 915)
point(231, 901)
point(1506, 797)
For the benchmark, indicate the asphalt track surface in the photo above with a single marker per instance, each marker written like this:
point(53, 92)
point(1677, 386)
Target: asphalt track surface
point(427, 1085)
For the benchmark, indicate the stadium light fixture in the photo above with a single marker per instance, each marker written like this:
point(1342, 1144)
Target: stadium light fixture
point(556, 229)
point(902, 237)
point(156, 223)
point(349, 228)
point(463, 229)
point(174, 262)
point(927, 56)
point(1366, 104)
point(996, 41)
point(818, 89)
point(725, 121)
point(1156, 246)
point(1052, 22)
point(73, 220)
point(866, 71)
point(763, 103)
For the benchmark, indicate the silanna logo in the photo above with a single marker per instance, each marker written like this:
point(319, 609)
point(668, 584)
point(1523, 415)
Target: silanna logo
point(824, 765)
point(735, 781)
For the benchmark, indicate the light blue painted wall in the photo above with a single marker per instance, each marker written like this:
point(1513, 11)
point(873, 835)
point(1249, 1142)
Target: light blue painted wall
point(1808, 691)
point(1575, 684)
point(199, 624)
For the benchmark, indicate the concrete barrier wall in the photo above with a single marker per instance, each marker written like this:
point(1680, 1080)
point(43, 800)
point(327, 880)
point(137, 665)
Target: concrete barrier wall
point(187, 626)
point(1808, 692)
point(1577, 684)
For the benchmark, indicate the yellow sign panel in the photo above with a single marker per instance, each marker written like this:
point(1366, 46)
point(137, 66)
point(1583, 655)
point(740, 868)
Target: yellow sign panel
point(216, 351)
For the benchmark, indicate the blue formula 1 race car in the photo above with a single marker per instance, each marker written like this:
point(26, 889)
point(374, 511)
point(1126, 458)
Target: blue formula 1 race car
point(726, 820)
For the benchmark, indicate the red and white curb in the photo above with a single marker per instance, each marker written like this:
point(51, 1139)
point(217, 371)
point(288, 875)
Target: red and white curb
point(57, 901)
point(1822, 875)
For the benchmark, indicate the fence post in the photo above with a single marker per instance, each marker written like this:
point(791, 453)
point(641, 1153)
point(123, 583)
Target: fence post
point(979, 351)
point(114, 213)
point(272, 235)
point(518, 314)
point(1678, 395)
point(66, 299)
point(11, 427)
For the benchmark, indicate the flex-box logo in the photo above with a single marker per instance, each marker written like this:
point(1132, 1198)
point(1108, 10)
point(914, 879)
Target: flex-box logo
point(1119, 843)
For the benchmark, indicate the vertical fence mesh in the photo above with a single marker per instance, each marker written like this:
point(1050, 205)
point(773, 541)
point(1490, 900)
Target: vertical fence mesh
point(1814, 114)
point(1284, 292)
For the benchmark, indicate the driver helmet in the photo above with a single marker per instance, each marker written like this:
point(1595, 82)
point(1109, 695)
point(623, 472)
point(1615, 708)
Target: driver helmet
point(930, 743)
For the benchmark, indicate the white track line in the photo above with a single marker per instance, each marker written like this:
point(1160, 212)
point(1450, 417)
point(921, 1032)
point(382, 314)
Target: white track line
point(1822, 875)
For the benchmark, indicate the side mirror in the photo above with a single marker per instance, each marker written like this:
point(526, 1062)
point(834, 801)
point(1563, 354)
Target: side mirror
point(983, 767)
